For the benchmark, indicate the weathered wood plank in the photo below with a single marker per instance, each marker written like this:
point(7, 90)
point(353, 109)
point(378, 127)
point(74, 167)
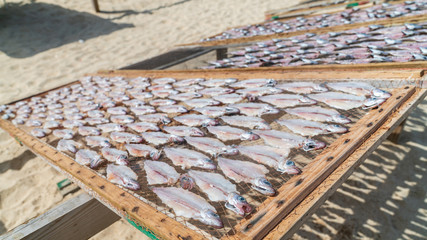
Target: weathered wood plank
point(271, 211)
point(293, 221)
point(78, 218)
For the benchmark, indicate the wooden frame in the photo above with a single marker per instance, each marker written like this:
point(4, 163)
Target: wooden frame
point(272, 211)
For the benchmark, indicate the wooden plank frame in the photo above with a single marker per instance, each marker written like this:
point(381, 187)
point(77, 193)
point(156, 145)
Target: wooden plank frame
point(272, 211)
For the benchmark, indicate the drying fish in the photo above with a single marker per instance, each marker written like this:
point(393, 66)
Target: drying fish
point(186, 158)
point(142, 110)
point(96, 114)
point(245, 121)
point(211, 146)
point(160, 173)
point(51, 124)
point(88, 157)
point(134, 103)
point(111, 127)
point(189, 205)
point(287, 100)
point(217, 111)
point(142, 95)
point(97, 141)
point(122, 119)
point(201, 102)
point(117, 110)
point(73, 123)
point(115, 155)
point(218, 82)
point(33, 123)
point(188, 82)
point(158, 138)
point(303, 87)
point(124, 137)
point(191, 88)
point(184, 131)
point(226, 133)
point(185, 96)
point(359, 88)
point(73, 116)
point(229, 98)
point(95, 121)
point(244, 171)
point(219, 189)
point(162, 102)
point(257, 92)
point(172, 109)
point(196, 120)
point(141, 150)
point(280, 139)
point(255, 109)
point(68, 145)
point(216, 91)
point(85, 131)
point(160, 87)
point(318, 114)
point(143, 126)
point(311, 128)
point(339, 100)
point(63, 133)
point(39, 132)
point(253, 83)
point(123, 176)
point(164, 93)
point(155, 118)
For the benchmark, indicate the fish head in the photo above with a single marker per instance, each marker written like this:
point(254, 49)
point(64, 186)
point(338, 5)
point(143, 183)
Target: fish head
point(380, 93)
point(210, 122)
point(321, 88)
point(210, 218)
point(307, 101)
point(95, 162)
point(263, 186)
point(275, 90)
point(165, 120)
point(155, 154)
point(228, 90)
point(105, 143)
point(206, 163)
point(136, 139)
point(131, 183)
point(288, 166)
point(270, 110)
point(230, 150)
point(271, 83)
point(120, 128)
point(373, 102)
point(186, 182)
point(310, 144)
point(176, 139)
point(122, 160)
point(195, 132)
point(231, 110)
point(251, 98)
point(340, 119)
point(335, 128)
point(238, 204)
point(249, 136)
point(197, 95)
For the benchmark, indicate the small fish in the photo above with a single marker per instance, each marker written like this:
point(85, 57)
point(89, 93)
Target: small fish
point(220, 189)
point(280, 139)
point(226, 133)
point(257, 92)
point(95, 121)
point(255, 109)
point(160, 173)
point(184, 131)
point(193, 120)
point(218, 82)
point(172, 109)
point(72, 116)
point(142, 95)
point(311, 128)
point(86, 131)
point(229, 98)
point(73, 123)
point(217, 111)
point(185, 96)
point(124, 137)
point(186, 158)
point(163, 81)
point(287, 100)
point(122, 119)
point(33, 123)
point(188, 82)
point(155, 118)
point(111, 127)
point(359, 88)
point(191, 88)
point(211, 146)
point(158, 138)
point(164, 93)
point(303, 87)
point(68, 145)
point(134, 103)
point(245, 121)
point(339, 100)
point(160, 87)
point(88, 157)
point(254, 83)
point(63, 133)
point(51, 124)
point(97, 141)
point(123, 176)
point(141, 150)
point(244, 171)
point(115, 155)
point(143, 127)
point(189, 205)
point(216, 91)
point(201, 102)
point(162, 102)
point(117, 110)
point(319, 114)
point(96, 114)
point(142, 110)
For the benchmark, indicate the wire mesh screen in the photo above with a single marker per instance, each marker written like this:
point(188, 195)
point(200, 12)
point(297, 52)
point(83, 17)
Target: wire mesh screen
point(111, 92)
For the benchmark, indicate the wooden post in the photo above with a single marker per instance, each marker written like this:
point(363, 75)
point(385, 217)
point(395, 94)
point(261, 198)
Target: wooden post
point(394, 136)
point(221, 53)
point(95, 5)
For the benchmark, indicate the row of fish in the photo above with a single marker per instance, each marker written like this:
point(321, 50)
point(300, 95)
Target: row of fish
point(349, 16)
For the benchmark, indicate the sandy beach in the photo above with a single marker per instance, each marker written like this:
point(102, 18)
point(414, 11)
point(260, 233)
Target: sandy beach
point(44, 44)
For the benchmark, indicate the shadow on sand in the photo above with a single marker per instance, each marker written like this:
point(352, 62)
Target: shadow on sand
point(29, 29)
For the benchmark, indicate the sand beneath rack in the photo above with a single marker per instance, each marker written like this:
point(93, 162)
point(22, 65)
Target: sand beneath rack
point(49, 43)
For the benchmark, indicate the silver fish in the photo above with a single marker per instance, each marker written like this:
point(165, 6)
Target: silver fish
point(143, 126)
point(257, 92)
point(280, 139)
point(184, 131)
point(88, 157)
point(122, 119)
point(255, 109)
point(73, 123)
point(188, 82)
point(95, 121)
point(97, 141)
point(155, 118)
point(311, 128)
point(217, 111)
point(117, 110)
point(216, 91)
point(172, 109)
point(226, 133)
point(359, 88)
point(245, 121)
point(201, 102)
point(189, 205)
point(160, 87)
point(162, 102)
point(244, 171)
point(51, 124)
point(160, 173)
point(123, 176)
point(229, 98)
point(303, 87)
point(287, 100)
point(142, 110)
point(68, 145)
point(218, 82)
point(193, 120)
point(158, 138)
point(115, 155)
point(163, 81)
point(86, 131)
point(253, 83)
point(191, 88)
point(96, 114)
point(164, 93)
point(318, 114)
point(63, 133)
point(141, 150)
point(211, 146)
point(111, 127)
point(186, 158)
point(124, 137)
point(134, 103)
point(339, 100)
point(185, 96)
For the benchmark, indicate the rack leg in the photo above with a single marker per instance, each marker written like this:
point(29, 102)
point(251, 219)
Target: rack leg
point(95, 5)
point(394, 136)
point(221, 53)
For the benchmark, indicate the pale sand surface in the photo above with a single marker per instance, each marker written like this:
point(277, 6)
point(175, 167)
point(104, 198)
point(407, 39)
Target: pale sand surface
point(40, 49)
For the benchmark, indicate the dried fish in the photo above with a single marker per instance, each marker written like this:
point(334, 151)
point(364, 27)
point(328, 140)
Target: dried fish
point(68, 145)
point(172, 109)
point(115, 155)
point(193, 120)
point(318, 114)
point(226, 133)
point(303, 87)
point(122, 119)
point(211, 146)
point(253, 83)
point(245, 121)
point(359, 88)
point(123, 176)
point(186, 158)
point(160, 173)
point(255, 109)
point(229, 98)
point(143, 126)
point(85, 131)
point(141, 150)
point(111, 127)
point(142, 110)
point(311, 128)
point(339, 100)
point(124, 137)
point(280, 139)
point(88, 157)
point(201, 102)
point(97, 141)
point(184, 131)
point(155, 118)
point(287, 100)
point(158, 138)
point(63, 133)
point(217, 111)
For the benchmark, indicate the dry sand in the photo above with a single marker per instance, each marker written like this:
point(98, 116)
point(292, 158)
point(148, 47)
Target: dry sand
point(44, 44)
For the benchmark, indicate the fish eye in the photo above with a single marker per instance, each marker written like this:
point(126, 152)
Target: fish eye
point(266, 182)
point(290, 163)
point(240, 198)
